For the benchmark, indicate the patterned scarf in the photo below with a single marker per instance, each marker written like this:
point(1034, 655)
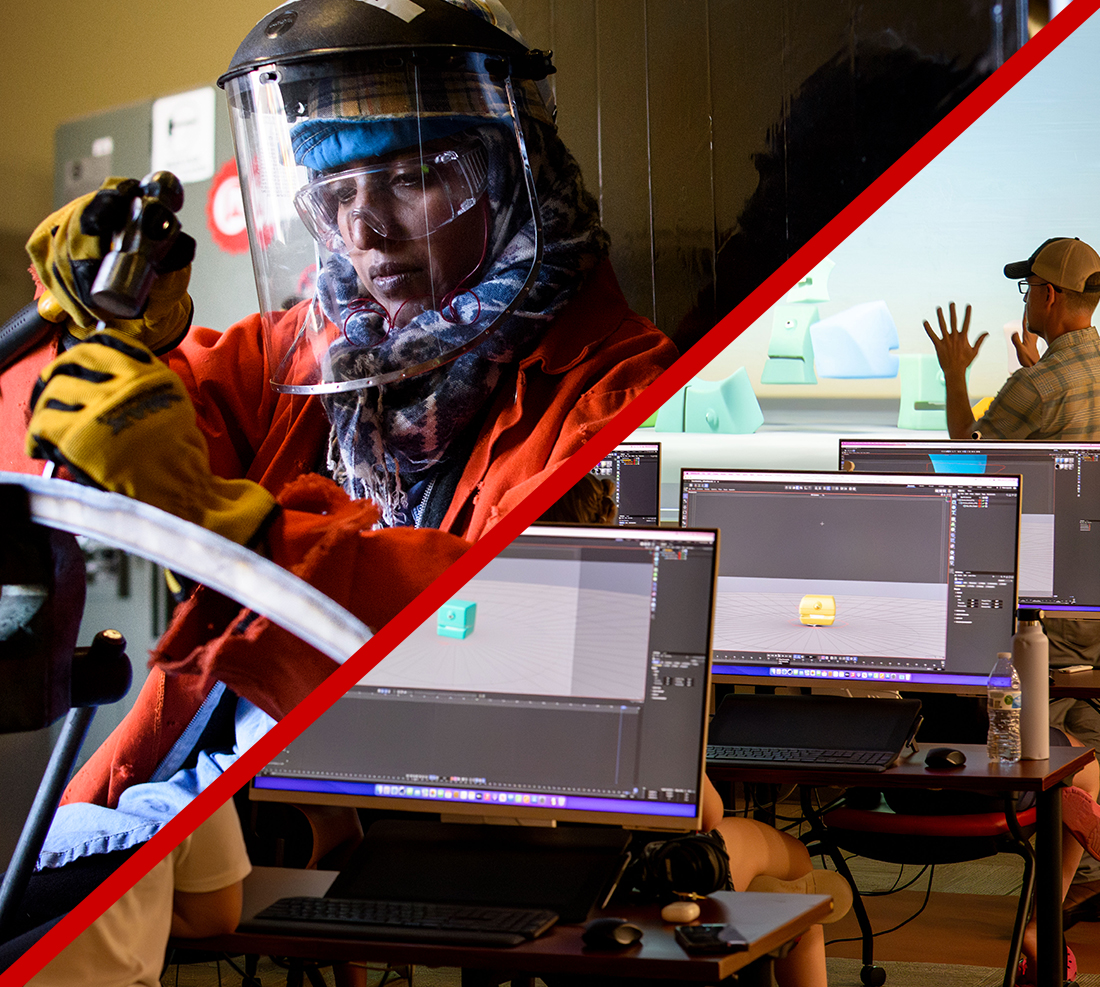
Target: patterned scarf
point(382, 437)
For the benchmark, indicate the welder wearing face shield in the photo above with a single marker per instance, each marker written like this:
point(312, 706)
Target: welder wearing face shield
point(466, 335)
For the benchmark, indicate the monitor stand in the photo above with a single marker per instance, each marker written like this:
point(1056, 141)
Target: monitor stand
point(566, 869)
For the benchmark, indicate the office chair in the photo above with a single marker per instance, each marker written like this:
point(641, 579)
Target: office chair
point(178, 956)
point(277, 835)
point(879, 833)
point(46, 677)
point(42, 585)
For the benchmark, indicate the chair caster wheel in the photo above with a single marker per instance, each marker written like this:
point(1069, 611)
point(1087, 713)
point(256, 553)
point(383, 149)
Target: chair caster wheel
point(872, 976)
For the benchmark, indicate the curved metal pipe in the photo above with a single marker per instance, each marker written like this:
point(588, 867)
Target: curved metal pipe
point(237, 572)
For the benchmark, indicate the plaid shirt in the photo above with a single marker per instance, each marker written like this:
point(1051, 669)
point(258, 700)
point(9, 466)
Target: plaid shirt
point(1058, 398)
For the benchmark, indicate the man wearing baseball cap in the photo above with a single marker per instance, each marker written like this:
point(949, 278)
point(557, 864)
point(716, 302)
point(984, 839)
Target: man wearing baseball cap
point(1056, 396)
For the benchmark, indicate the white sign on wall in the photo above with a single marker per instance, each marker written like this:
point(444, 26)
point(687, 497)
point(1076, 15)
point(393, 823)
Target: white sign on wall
point(183, 134)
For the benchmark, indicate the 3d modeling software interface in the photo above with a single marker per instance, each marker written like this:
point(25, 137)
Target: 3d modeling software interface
point(874, 578)
point(1059, 506)
point(551, 682)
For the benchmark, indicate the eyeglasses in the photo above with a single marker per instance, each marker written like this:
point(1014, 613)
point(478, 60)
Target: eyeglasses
point(1025, 285)
point(402, 199)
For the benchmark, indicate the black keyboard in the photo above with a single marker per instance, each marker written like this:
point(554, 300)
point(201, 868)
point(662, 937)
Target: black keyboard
point(790, 757)
point(402, 921)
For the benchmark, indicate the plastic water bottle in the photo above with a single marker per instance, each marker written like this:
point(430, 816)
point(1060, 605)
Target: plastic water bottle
point(1031, 658)
point(1003, 701)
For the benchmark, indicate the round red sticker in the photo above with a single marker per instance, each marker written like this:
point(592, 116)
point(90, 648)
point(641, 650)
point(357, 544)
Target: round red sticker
point(225, 211)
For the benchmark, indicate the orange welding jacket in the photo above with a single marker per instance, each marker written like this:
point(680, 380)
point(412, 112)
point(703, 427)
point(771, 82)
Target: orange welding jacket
point(594, 359)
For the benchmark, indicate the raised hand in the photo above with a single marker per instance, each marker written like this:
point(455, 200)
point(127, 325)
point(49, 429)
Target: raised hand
point(1026, 344)
point(953, 348)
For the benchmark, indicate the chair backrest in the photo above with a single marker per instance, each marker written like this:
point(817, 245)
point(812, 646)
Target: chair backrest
point(42, 587)
point(978, 824)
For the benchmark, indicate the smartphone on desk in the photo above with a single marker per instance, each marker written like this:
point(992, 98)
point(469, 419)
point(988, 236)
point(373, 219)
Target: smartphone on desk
point(710, 938)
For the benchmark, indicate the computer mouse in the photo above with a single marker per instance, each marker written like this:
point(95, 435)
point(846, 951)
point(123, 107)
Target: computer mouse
point(610, 933)
point(679, 912)
point(944, 757)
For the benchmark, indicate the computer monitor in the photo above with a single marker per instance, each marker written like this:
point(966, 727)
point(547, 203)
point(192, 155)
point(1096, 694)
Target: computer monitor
point(636, 469)
point(567, 681)
point(1059, 506)
point(873, 581)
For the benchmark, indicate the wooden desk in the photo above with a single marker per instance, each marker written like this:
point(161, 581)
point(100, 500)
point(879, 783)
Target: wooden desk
point(768, 921)
point(1042, 777)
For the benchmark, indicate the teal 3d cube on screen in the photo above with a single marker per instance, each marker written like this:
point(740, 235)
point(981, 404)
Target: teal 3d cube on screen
point(456, 619)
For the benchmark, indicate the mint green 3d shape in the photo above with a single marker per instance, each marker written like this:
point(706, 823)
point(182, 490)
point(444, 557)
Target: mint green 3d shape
point(814, 287)
point(722, 406)
point(790, 348)
point(670, 416)
point(923, 402)
point(717, 406)
point(456, 619)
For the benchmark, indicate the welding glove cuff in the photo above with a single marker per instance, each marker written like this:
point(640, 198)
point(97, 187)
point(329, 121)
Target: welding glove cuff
point(119, 419)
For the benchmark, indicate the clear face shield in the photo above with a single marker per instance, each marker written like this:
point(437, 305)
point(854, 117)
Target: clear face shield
point(383, 196)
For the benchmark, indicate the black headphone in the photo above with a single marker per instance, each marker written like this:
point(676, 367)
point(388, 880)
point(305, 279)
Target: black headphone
point(695, 864)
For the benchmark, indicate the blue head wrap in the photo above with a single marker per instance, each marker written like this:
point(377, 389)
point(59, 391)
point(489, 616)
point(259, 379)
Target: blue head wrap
point(325, 145)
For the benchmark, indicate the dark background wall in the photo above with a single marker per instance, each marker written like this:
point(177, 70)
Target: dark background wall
point(721, 134)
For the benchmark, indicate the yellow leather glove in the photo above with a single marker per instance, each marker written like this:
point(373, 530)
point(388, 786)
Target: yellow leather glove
point(117, 418)
point(68, 247)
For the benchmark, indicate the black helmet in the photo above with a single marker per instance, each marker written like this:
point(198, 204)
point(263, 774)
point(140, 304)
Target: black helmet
point(309, 30)
point(354, 121)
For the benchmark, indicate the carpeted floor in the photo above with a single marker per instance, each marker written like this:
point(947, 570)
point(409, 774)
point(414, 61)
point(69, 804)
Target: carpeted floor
point(845, 973)
point(967, 922)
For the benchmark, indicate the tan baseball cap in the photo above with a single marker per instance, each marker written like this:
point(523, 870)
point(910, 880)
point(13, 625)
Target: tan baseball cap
point(1063, 261)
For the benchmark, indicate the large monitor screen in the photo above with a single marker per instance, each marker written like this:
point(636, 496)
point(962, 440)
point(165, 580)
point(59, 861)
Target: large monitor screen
point(894, 581)
point(568, 680)
point(635, 468)
point(1059, 506)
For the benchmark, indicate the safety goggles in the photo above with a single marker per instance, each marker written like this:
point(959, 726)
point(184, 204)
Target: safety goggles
point(404, 198)
point(310, 132)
